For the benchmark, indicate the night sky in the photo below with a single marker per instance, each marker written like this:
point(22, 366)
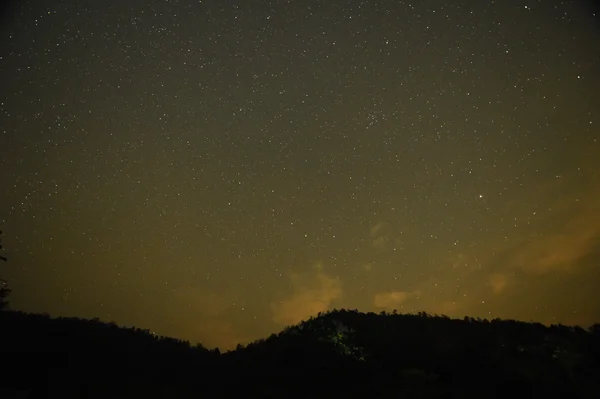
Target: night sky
point(217, 170)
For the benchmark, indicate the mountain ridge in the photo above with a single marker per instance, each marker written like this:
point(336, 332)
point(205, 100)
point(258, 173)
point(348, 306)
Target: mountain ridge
point(336, 352)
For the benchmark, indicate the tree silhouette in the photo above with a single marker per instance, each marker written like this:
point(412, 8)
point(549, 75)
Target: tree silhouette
point(342, 353)
point(1, 257)
point(4, 290)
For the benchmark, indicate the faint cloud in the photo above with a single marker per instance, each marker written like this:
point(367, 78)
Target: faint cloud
point(576, 234)
point(375, 229)
point(380, 242)
point(368, 267)
point(559, 251)
point(458, 260)
point(318, 266)
point(312, 294)
point(497, 282)
point(465, 262)
point(380, 239)
point(390, 300)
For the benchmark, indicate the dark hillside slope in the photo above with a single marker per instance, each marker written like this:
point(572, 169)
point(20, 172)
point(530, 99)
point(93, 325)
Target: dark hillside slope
point(77, 355)
point(340, 353)
point(434, 356)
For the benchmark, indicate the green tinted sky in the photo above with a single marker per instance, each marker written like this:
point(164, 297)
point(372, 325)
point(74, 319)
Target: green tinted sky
point(216, 170)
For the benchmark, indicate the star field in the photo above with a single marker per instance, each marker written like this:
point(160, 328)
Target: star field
point(217, 170)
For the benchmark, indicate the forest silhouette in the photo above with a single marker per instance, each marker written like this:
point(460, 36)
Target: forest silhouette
point(341, 353)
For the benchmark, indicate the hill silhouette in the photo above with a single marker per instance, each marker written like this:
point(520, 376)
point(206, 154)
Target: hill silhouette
point(342, 353)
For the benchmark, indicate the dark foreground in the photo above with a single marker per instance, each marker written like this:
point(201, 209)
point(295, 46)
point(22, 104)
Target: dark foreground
point(338, 354)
